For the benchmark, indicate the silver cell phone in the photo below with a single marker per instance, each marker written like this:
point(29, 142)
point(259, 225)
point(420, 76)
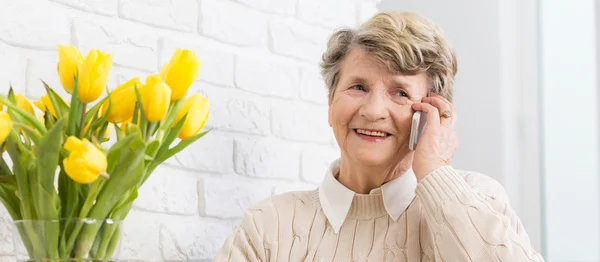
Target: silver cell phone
point(416, 130)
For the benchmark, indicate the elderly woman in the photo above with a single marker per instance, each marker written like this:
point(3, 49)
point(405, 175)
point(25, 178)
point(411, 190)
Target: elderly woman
point(382, 201)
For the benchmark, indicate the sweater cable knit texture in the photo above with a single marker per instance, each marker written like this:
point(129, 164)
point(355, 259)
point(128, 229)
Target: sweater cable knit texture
point(455, 216)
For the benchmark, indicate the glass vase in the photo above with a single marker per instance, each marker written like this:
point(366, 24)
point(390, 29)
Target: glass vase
point(73, 240)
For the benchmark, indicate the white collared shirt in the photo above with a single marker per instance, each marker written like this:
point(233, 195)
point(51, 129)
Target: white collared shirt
point(336, 199)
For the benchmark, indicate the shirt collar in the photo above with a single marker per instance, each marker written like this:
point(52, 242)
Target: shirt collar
point(336, 198)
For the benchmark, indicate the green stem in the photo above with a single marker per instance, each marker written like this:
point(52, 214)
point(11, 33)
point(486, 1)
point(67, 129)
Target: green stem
point(149, 130)
point(85, 209)
point(107, 238)
point(82, 120)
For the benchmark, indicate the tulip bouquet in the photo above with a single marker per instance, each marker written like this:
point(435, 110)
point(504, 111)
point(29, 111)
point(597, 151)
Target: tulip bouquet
point(71, 173)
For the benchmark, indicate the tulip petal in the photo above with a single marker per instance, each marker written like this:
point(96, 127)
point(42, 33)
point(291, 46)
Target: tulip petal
point(5, 125)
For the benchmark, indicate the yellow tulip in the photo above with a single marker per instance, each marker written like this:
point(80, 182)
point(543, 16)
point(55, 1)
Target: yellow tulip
point(123, 101)
point(46, 103)
point(124, 124)
point(197, 109)
point(93, 75)
point(109, 130)
point(23, 103)
point(85, 162)
point(5, 125)
point(181, 72)
point(69, 60)
point(156, 98)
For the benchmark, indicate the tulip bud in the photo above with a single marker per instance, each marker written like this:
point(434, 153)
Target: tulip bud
point(5, 125)
point(156, 98)
point(23, 103)
point(93, 75)
point(197, 109)
point(123, 101)
point(46, 103)
point(181, 72)
point(85, 161)
point(69, 60)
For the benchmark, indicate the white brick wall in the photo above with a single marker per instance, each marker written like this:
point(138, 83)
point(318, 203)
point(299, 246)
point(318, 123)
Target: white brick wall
point(260, 70)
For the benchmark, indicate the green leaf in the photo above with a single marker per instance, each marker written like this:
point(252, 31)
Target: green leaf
point(114, 153)
point(171, 152)
point(120, 132)
point(128, 174)
point(46, 200)
point(60, 106)
point(152, 148)
point(4, 169)
point(167, 122)
point(182, 145)
point(8, 196)
point(20, 158)
point(94, 110)
point(75, 110)
point(97, 123)
point(136, 113)
point(143, 119)
point(20, 115)
point(171, 136)
point(122, 179)
point(48, 155)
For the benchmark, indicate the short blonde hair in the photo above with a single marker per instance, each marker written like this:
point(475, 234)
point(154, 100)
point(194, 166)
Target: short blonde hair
point(404, 42)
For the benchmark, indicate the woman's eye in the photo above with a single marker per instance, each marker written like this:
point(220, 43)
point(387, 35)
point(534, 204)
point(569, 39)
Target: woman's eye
point(401, 93)
point(358, 87)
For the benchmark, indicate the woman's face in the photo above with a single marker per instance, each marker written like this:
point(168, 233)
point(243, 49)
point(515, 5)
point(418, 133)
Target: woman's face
point(370, 111)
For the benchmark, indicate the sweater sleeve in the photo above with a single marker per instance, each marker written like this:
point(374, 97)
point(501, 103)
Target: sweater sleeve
point(472, 221)
point(244, 244)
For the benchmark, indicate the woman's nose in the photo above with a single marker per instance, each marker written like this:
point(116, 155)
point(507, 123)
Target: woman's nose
point(374, 107)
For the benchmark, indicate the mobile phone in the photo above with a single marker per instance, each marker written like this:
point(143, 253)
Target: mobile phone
point(416, 130)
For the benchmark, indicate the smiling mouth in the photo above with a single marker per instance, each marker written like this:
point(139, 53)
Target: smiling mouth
point(372, 133)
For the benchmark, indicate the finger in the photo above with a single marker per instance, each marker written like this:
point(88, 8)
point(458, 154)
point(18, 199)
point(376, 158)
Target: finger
point(442, 104)
point(432, 113)
point(441, 107)
point(436, 95)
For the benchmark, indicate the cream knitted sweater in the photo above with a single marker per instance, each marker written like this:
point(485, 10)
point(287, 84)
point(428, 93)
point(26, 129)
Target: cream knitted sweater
point(455, 216)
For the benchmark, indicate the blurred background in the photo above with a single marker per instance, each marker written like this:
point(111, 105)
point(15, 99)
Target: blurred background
point(526, 92)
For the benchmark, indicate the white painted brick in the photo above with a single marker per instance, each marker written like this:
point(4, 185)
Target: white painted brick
point(266, 77)
point(180, 14)
point(169, 190)
point(6, 227)
point(312, 86)
point(192, 238)
point(366, 10)
point(300, 40)
point(8, 259)
point(12, 69)
point(229, 196)
point(213, 152)
point(103, 7)
point(294, 186)
point(42, 66)
point(217, 65)
point(327, 13)
point(120, 75)
point(140, 236)
point(43, 26)
point(267, 158)
point(285, 7)
point(300, 121)
point(131, 45)
point(233, 23)
point(316, 161)
point(237, 110)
